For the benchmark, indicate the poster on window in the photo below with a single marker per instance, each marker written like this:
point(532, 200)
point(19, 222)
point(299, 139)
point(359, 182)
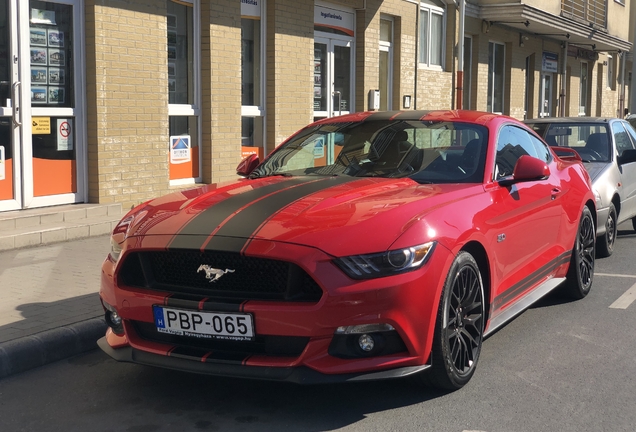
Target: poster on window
point(179, 149)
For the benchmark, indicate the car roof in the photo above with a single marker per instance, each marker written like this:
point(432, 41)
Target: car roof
point(571, 120)
point(479, 117)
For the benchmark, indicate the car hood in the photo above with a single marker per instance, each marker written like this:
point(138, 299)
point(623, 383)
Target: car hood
point(595, 169)
point(336, 214)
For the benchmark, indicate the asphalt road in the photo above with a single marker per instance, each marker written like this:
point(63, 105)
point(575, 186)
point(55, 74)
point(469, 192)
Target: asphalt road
point(559, 366)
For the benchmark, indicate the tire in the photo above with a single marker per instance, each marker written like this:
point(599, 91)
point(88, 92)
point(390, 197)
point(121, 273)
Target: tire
point(459, 327)
point(581, 272)
point(634, 223)
point(605, 243)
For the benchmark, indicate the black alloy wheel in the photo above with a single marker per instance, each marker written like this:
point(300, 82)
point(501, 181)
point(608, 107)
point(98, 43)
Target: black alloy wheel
point(605, 244)
point(581, 272)
point(459, 328)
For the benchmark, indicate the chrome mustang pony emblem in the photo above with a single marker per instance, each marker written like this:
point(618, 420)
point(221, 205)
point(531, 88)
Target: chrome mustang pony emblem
point(213, 274)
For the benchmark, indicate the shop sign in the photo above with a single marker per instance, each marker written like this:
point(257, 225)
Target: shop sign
point(64, 134)
point(40, 125)
point(179, 149)
point(334, 19)
point(582, 53)
point(251, 8)
point(550, 62)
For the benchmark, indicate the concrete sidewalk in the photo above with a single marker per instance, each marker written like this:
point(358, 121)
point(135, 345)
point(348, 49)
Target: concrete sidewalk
point(49, 302)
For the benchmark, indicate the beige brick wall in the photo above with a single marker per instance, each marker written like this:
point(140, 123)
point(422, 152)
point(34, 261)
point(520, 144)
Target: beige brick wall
point(221, 89)
point(290, 49)
point(127, 100)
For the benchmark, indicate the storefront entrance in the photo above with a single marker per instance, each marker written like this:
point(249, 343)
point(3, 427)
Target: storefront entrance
point(545, 108)
point(332, 77)
point(41, 104)
point(333, 62)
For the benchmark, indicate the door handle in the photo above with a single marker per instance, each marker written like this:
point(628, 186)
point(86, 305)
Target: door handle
point(337, 93)
point(15, 100)
point(555, 192)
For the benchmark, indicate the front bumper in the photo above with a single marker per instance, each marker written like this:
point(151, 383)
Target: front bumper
point(298, 375)
point(408, 302)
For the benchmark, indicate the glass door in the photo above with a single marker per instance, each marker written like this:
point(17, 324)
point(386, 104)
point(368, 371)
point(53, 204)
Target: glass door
point(44, 104)
point(545, 108)
point(333, 86)
point(10, 113)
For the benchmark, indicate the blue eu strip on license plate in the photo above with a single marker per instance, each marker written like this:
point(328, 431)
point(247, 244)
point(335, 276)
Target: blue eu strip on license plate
point(204, 324)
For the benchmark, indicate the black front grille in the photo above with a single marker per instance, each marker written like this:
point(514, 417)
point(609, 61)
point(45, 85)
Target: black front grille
point(246, 278)
point(277, 346)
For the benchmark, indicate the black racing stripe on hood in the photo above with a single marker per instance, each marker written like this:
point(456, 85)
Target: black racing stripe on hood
point(209, 219)
point(233, 235)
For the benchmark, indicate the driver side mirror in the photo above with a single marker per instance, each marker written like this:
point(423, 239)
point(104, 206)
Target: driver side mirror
point(247, 165)
point(527, 168)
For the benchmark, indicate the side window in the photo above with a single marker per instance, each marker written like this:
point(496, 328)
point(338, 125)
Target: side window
point(632, 133)
point(512, 143)
point(542, 150)
point(623, 141)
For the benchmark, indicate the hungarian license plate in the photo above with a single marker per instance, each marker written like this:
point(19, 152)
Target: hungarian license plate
point(218, 325)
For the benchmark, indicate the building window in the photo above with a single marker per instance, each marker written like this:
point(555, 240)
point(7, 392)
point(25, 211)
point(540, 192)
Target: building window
point(183, 90)
point(496, 71)
point(386, 64)
point(252, 78)
point(431, 44)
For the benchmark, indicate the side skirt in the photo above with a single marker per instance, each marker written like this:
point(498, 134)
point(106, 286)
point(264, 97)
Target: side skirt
point(522, 304)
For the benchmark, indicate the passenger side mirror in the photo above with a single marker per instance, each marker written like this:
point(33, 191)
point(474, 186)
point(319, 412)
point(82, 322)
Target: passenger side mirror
point(247, 165)
point(628, 156)
point(527, 168)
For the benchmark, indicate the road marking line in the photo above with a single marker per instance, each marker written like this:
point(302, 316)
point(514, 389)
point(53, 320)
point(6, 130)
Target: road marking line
point(626, 299)
point(615, 275)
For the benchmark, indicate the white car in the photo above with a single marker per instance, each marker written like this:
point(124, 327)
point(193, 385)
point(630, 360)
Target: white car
point(607, 147)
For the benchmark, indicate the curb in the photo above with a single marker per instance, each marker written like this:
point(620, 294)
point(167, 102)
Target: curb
point(33, 351)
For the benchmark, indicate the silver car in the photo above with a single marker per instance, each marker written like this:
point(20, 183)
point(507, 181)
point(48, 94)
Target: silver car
point(607, 147)
point(632, 120)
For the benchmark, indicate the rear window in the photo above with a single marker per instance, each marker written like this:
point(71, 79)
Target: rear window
point(590, 140)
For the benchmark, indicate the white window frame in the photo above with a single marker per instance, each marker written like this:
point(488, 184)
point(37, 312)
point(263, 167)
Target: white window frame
point(388, 48)
point(431, 8)
point(503, 82)
point(194, 109)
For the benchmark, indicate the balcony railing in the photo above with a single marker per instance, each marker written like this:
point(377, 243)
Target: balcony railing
point(589, 11)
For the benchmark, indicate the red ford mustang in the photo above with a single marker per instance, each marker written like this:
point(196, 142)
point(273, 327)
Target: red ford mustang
point(368, 246)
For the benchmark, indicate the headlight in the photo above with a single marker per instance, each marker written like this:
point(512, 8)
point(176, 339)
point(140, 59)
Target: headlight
point(385, 263)
point(115, 250)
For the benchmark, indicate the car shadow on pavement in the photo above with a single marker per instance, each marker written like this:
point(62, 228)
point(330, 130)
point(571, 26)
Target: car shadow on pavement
point(192, 401)
point(39, 317)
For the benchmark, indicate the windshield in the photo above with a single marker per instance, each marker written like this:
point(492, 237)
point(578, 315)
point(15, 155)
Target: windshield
point(590, 140)
point(426, 151)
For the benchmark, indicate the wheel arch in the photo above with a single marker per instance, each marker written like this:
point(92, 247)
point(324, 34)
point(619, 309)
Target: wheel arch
point(478, 251)
point(590, 205)
point(616, 200)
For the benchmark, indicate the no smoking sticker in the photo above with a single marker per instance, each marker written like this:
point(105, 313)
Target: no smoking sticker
point(64, 134)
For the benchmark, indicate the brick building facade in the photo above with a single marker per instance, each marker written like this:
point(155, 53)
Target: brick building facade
point(152, 96)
